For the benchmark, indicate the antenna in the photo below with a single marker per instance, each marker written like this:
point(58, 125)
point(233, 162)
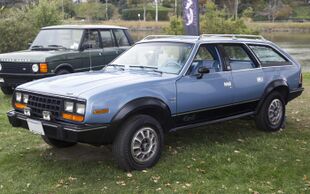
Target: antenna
point(89, 53)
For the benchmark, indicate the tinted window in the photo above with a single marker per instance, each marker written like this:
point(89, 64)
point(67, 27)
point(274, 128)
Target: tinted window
point(207, 56)
point(121, 38)
point(107, 38)
point(267, 55)
point(91, 40)
point(238, 57)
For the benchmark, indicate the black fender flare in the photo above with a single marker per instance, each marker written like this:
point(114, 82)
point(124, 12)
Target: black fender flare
point(140, 105)
point(64, 66)
point(271, 87)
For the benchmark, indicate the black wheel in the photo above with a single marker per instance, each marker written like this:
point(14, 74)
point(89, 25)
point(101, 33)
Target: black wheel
point(139, 143)
point(57, 143)
point(271, 116)
point(62, 72)
point(7, 90)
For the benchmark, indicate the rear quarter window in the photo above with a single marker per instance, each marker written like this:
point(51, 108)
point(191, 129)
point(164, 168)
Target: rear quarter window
point(269, 56)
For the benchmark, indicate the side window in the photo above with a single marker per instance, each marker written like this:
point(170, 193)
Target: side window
point(206, 56)
point(268, 56)
point(107, 38)
point(121, 38)
point(238, 58)
point(91, 40)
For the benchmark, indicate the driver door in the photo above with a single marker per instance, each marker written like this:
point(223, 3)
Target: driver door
point(202, 99)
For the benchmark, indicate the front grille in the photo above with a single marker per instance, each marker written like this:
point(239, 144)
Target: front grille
point(39, 103)
point(16, 67)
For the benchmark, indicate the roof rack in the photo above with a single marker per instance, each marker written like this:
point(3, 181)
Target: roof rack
point(150, 37)
point(233, 36)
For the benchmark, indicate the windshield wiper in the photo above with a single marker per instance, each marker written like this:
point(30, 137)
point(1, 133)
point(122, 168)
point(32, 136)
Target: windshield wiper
point(154, 69)
point(143, 67)
point(122, 67)
point(58, 47)
point(36, 47)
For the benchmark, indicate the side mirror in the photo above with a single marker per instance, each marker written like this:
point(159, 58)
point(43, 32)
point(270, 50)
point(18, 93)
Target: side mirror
point(201, 71)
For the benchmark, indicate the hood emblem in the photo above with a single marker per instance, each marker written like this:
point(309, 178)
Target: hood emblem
point(24, 69)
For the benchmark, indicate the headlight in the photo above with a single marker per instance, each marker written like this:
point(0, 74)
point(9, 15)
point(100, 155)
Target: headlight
point(35, 68)
point(80, 108)
point(25, 98)
point(18, 97)
point(69, 106)
point(0, 66)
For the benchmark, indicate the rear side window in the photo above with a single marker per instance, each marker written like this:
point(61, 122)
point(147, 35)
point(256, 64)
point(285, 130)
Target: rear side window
point(238, 58)
point(268, 56)
point(121, 38)
point(107, 38)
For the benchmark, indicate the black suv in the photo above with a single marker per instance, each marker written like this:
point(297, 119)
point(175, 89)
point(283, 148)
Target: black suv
point(63, 49)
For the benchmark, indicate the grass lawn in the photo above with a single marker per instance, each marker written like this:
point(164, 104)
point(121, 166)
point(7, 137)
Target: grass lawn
point(230, 157)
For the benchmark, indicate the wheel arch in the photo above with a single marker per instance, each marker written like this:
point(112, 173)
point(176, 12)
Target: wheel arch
point(66, 66)
point(146, 105)
point(276, 85)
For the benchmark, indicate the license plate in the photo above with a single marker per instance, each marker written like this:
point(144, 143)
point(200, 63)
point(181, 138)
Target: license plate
point(35, 126)
point(1, 80)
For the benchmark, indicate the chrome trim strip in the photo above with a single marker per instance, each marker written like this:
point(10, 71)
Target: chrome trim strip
point(84, 130)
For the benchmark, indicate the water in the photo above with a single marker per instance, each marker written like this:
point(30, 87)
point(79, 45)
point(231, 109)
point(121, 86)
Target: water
point(296, 44)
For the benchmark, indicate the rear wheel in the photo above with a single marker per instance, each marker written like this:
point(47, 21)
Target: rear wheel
point(139, 143)
point(271, 116)
point(7, 90)
point(57, 143)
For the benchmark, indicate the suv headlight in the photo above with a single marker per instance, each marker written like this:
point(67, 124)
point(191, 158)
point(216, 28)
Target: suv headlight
point(18, 97)
point(0, 66)
point(80, 108)
point(35, 68)
point(25, 98)
point(69, 106)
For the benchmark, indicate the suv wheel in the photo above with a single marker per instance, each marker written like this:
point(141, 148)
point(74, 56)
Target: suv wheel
point(57, 143)
point(272, 113)
point(7, 90)
point(139, 143)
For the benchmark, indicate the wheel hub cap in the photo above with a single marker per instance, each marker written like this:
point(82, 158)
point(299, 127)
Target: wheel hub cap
point(275, 112)
point(144, 144)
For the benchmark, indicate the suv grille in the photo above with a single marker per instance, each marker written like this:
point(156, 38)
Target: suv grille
point(40, 103)
point(16, 67)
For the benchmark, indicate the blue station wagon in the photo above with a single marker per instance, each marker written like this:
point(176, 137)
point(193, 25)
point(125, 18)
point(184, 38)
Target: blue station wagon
point(161, 84)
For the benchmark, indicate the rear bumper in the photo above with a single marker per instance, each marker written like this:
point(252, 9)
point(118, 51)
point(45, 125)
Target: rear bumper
point(15, 79)
point(295, 93)
point(84, 133)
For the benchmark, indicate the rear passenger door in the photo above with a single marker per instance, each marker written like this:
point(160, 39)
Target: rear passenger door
point(109, 47)
point(247, 76)
point(121, 39)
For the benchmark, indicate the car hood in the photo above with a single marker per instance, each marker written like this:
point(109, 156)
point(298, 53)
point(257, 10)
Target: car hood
point(30, 56)
point(77, 84)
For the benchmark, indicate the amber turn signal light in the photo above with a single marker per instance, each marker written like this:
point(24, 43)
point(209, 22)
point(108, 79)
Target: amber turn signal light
point(43, 68)
point(72, 117)
point(20, 105)
point(101, 111)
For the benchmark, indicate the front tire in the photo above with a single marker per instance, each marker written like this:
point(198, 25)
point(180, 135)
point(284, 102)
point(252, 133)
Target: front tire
point(271, 116)
point(7, 90)
point(57, 143)
point(139, 143)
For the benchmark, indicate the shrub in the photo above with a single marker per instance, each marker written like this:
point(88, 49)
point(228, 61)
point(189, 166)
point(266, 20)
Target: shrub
point(213, 22)
point(94, 11)
point(132, 13)
point(18, 27)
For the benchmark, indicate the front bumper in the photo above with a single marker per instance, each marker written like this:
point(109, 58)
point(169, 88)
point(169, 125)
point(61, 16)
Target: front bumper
point(15, 79)
point(96, 134)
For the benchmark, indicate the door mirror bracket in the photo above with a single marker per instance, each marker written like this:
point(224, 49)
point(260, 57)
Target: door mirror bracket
point(202, 71)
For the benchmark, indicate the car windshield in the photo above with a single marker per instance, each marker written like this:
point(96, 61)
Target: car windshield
point(58, 39)
point(162, 57)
